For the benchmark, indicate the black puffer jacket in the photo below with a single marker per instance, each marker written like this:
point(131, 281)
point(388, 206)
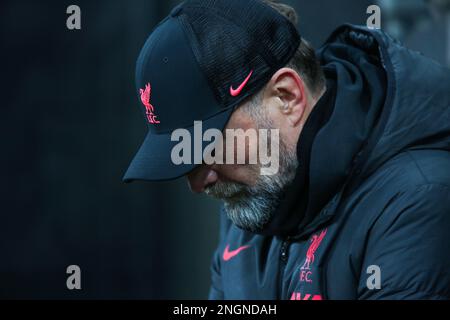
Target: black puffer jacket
point(377, 200)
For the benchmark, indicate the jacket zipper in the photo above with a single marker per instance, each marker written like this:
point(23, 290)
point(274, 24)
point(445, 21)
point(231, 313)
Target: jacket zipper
point(284, 255)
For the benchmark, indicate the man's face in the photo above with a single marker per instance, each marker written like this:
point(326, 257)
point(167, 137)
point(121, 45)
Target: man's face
point(250, 198)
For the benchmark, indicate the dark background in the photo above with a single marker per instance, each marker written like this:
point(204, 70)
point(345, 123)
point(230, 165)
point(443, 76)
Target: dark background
point(70, 124)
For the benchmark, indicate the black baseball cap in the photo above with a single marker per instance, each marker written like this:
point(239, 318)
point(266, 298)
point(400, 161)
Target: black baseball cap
point(199, 63)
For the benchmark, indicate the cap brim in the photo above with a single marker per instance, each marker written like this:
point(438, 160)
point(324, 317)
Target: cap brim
point(153, 160)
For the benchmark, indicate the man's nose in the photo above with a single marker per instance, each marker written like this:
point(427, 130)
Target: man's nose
point(202, 177)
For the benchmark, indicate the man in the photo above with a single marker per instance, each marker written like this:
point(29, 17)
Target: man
point(359, 207)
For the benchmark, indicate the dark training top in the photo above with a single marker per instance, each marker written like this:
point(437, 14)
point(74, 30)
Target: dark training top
point(368, 214)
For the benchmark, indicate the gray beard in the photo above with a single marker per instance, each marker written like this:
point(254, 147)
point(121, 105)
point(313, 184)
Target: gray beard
point(252, 207)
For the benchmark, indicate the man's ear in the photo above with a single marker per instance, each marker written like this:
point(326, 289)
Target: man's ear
point(289, 91)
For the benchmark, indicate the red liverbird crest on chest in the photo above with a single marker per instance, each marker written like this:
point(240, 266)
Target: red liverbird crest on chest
point(315, 243)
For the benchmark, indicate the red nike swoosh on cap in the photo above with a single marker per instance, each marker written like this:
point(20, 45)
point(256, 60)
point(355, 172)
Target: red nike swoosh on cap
point(236, 92)
point(227, 255)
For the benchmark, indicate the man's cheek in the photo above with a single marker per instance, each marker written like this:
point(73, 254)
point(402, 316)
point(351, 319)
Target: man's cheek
point(269, 155)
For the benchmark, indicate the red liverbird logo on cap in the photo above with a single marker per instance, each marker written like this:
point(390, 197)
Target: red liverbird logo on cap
point(145, 98)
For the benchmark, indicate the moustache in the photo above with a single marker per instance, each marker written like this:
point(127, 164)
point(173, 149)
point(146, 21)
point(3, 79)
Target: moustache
point(228, 191)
